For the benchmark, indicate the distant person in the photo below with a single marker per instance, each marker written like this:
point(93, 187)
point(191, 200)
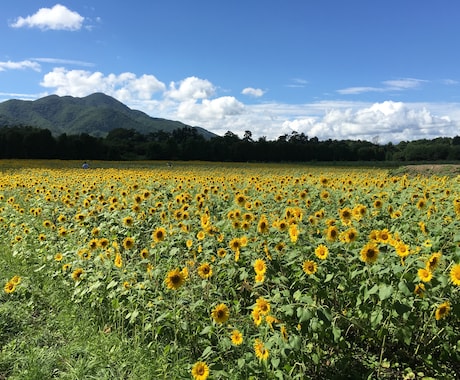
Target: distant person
point(85, 165)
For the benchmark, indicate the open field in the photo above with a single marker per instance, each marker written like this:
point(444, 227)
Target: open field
point(143, 270)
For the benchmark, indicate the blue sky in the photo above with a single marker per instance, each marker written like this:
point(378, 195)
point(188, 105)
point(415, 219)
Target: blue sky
point(359, 69)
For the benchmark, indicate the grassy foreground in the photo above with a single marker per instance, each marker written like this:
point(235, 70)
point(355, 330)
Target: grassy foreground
point(227, 272)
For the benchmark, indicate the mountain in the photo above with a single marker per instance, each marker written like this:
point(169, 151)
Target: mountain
point(96, 115)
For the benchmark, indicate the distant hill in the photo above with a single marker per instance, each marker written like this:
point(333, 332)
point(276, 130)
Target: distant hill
point(96, 115)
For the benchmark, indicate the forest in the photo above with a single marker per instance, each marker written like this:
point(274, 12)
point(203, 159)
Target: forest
point(187, 144)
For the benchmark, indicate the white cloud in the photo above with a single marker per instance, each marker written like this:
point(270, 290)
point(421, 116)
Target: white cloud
point(403, 84)
point(255, 92)
point(125, 86)
point(391, 121)
point(297, 82)
point(190, 88)
point(193, 101)
point(21, 65)
point(388, 85)
point(56, 18)
point(359, 90)
point(61, 61)
point(209, 110)
point(450, 82)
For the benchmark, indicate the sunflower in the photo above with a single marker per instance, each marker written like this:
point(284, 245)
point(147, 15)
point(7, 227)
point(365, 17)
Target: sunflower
point(433, 261)
point(402, 250)
point(293, 232)
point(324, 195)
point(235, 244)
point(384, 236)
point(103, 242)
point(442, 310)
point(47, 224)
point(423, 228)
point(221, 252)
point(378, 203)
point(260, 267)
point(321, 252)
point(263, 306)
point(282, 225)
point(93, 244)
point(175, 279)
point(16, 280)
point(260, 350)
point(425, 275)
point(76, 274)
point(118, 261)
point(350, 235)
point(256, 316)
point(66, 267)
point(128, 243)
point(369, 253)
point(205, 271)
point(419, 289)
point(346, 215)
point(220, 314)
point(259, 278)
point(144, 253)
point(200, 371)
point(58, 256)
point(421, 203)
point(240, 199)
point(263, 225)
point(9, 287)
point(237, 337)
point(332, 233)
point(455, 274)
point(309, 267)
point(128, 221)
point(159, 234)
point(284, 333)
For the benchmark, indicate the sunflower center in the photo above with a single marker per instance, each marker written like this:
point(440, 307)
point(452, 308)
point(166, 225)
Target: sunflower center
point(175, 279)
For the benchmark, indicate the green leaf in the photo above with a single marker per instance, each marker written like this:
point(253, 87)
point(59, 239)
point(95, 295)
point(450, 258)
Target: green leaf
point(303, 314)
point(376, 318)
point(275, 362)
point(329, 277)
point(324, 315)
point(112, 284)
point(134, 315)
point(206, 330)
point(337, 332)
point(401, 308)
point(403, 288)
point(207, 351)
point(287, 309)
point(385, 291)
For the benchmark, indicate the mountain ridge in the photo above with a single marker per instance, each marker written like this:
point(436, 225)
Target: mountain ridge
point(96, 114)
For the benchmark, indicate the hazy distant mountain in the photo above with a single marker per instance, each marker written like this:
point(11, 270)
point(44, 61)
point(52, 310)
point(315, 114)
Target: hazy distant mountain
point(96, 114)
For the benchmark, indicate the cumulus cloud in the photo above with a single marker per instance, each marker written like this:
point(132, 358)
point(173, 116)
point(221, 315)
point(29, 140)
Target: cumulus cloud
point(390, 121)
point(190, 88)
point(193, 101)
point(209, 110)
point(255, 92)
point(125, 86)
point(58, 17)
point(21, 65)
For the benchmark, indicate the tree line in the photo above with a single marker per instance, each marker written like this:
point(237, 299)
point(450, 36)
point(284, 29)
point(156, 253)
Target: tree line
point(188, 144)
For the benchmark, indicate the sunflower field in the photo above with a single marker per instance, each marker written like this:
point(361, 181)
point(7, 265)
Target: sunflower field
point(237, 271)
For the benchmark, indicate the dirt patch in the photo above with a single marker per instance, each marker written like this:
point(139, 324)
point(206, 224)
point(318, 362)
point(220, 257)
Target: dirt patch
point(441, 170)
